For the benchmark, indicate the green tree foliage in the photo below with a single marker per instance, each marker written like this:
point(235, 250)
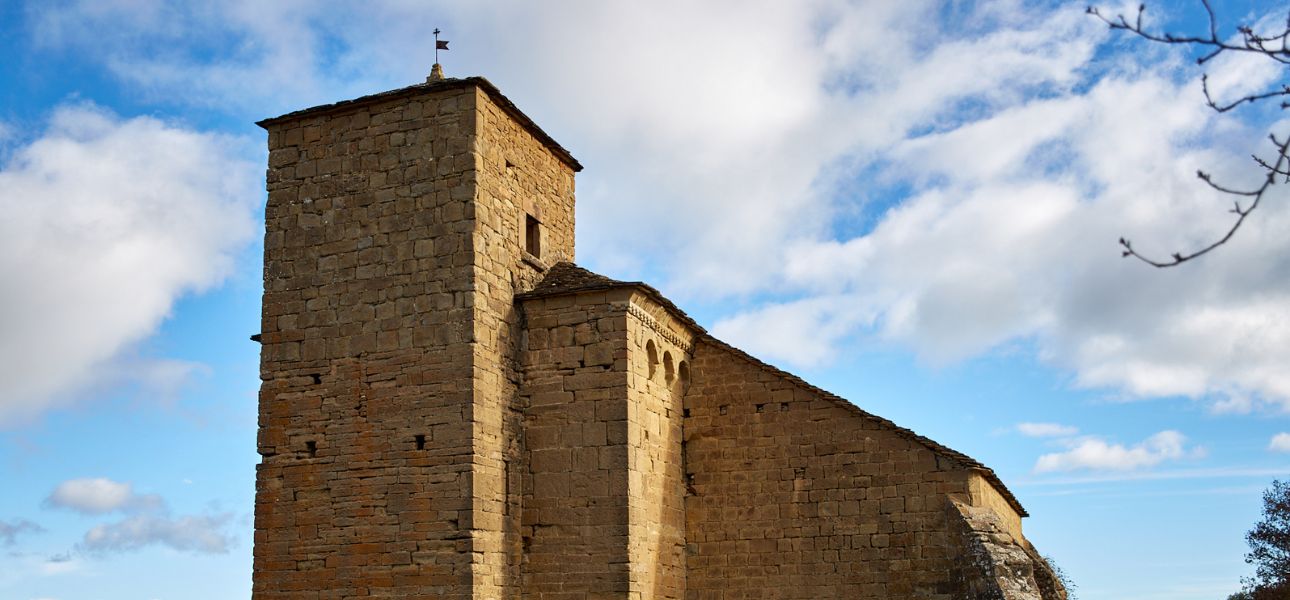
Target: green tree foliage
point(1065, 579)
point(1269, 542)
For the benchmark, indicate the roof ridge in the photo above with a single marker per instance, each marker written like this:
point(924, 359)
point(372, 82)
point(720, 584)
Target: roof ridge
point(566, 277)
point(505, 103)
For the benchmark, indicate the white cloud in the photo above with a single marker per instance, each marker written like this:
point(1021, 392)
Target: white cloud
point(1280, 442)
point(59, 564)
point(108, 222)
point(719, 143)
point(148, 520)
point(1046, 429)
point(202, 534)
point(1095, 454)
point(805, 330)
point(1013, 152)
point(99, 496)
point(1010, 235)
point(1252, 473)
point(10, 530)
point(19, 567)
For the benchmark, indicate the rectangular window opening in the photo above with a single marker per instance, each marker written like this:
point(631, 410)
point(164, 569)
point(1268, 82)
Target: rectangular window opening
point(532, 236)
point(421, 442)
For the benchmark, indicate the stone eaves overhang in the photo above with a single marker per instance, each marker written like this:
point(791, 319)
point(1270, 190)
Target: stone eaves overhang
point(429, 87)
point(567, 278)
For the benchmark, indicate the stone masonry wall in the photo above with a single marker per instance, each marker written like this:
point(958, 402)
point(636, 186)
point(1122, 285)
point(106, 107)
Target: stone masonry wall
point(423, 436)
point(517, 176)
point(658, 362)
point(364, 487)
point(795, 495)
point(981, 493)
point(576, 428)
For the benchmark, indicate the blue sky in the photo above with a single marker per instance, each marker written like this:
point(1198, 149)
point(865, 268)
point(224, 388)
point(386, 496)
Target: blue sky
point(914, 205)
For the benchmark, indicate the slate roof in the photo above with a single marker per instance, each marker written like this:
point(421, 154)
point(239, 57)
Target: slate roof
point(434, 86)
point(568, 278)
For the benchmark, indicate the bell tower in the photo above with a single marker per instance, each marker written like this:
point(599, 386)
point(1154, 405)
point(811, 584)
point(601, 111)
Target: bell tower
point(399, 228)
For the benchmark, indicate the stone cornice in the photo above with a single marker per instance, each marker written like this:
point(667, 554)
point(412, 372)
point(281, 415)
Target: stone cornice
point(662, 330)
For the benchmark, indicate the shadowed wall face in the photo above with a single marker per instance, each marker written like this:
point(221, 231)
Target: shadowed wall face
point(576, 488)
point(658, 374)
point(603, 497)
point(523, 202)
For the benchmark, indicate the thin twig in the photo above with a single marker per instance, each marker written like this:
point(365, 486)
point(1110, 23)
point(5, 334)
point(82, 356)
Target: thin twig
point(1274, 47)
point(1178, 258)
point(1250, 41)
point(1222, 108)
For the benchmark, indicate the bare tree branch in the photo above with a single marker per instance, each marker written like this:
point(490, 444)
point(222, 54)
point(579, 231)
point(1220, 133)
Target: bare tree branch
point(1275, 47)
point(1177, 258)
point(1250, 41)
point(1252, 98)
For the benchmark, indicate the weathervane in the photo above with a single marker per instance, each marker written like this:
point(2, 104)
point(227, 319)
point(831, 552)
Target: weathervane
point(436, 72)
point(438, 45)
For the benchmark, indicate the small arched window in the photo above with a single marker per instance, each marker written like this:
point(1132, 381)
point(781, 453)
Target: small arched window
point(651, 355)
point(669, 369)
point(683, 372)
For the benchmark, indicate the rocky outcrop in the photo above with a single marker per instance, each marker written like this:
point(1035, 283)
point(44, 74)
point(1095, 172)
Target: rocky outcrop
point(995, 565)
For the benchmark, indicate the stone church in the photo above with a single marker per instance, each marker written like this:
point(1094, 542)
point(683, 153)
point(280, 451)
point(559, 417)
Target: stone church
point(451, 408)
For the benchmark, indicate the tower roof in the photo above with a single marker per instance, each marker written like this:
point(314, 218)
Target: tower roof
point(566, 278)
point(435, 86)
